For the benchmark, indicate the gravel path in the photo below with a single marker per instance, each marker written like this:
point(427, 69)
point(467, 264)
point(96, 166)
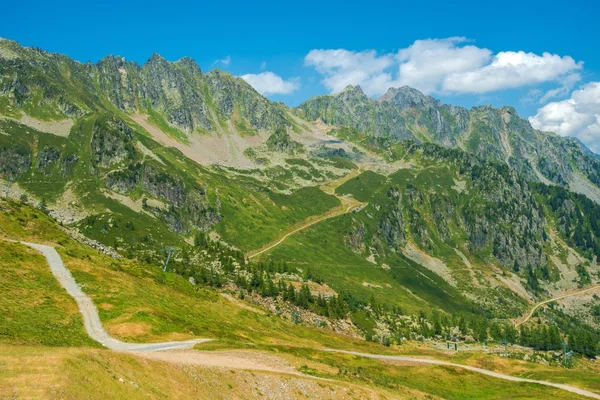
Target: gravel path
point(568, 388)
point(88, 310)
point(564, 296)
point(350, 205)
point(347, 205)
point(94, 328)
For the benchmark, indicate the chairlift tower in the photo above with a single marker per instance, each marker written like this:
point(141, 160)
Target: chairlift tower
point(505, 343)
point(170, 250)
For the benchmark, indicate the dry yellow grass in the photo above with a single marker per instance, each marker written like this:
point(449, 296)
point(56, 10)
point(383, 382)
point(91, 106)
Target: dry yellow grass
point(75, 373)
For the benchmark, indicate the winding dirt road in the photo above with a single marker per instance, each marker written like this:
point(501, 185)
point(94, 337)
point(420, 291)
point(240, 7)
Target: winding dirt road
point(347, 205)
point(568, 388)
point(564, 296)
point(94, 328)
point(88, 310)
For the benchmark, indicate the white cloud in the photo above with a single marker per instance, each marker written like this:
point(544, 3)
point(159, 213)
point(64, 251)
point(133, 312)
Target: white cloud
point(427, 63)
point(450, 65)
point(270, 83)
point(510, 69)
point(578, 116)
point(224, 61)
point(341, 68)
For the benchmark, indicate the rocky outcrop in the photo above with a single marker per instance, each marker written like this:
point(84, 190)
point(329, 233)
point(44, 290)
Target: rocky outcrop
point(163, 186)
point(14, 160)
point(391, 227)
point(68, 163)
point(188, 207)
point(126, 180)
point(46, 159)
point(112, 142)
point(281, 142)
point(355, 239)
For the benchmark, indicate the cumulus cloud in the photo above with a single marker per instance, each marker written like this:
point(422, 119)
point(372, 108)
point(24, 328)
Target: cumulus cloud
point(341, 68)
point(426, 64)
point(510, 69)
point(450, 65)
point(269, 83)
point(578, 116)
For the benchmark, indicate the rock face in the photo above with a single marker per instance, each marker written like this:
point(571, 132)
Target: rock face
point(14, 160)
point(176, 92)
point(355, 239)
point(497, 134)
point(496, 216)
point(111, 142)
point(391, 229)
point(47, 158)
point(188, 207)
point(281, 142)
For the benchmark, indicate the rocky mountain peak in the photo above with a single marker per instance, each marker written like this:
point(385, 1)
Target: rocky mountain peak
point(406, 97)
point(190, 65)
point(353, 90)
point(156, 59)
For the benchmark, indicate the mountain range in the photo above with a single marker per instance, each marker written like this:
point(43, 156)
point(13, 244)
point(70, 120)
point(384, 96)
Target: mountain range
point(398, 202)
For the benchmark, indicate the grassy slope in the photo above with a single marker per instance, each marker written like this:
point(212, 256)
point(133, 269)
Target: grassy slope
point(322, 248)
point(445, 382)
point(138, 302)
point(76, 373)
point(252, 214)
point(34, 307)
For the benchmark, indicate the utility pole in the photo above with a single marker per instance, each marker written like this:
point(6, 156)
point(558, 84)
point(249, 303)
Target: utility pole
point(170, 250)
point(10, 181)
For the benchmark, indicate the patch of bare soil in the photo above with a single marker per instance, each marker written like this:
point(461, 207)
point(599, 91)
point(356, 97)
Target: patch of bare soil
point(315, 288)
point(431, 263)
point(236, 359)
point(58, 128)
point(134, 205)
point(581, 184)
point(226, 148)
point(514, 283)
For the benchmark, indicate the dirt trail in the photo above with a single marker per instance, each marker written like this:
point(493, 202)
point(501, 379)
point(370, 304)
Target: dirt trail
point(569, 388)
point(248, 360)
point(348, 205)
point(177, 351)
point(88, 310)
point(564, 296)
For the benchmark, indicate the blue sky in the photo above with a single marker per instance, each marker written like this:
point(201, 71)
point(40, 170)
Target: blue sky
point(463, 52)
